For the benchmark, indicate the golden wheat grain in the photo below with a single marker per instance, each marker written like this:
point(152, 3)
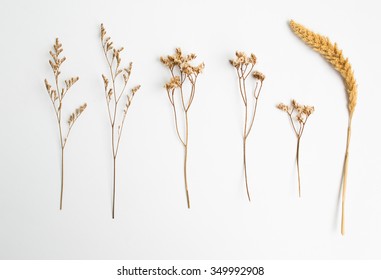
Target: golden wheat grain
point(335, 57)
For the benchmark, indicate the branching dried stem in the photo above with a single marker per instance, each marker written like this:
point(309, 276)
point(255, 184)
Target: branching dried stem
point(244, 66)
point(181, 72)
point(56, 94)
point(298, 115)
point(113, 94)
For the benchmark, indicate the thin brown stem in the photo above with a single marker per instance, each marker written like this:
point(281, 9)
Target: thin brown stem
point(248, 73)
point(192, 93)
point(256, 97)
point(56, 96)
point(113, 187)
point(245, 169)
point(182, 99)
point(177, 126)
point(244, 154)
point(117, 120)
point(186, 158)
point(182, 72)
point(344, 186)
point(240, 87)
point(292, 123)
point(62, 177)
point(297, 165)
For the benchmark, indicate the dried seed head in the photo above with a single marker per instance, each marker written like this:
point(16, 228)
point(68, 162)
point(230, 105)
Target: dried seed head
point(308, 110)
point(258, 75)
point(253, 58)
point(109, 94)
point(300, 118)
point(173, 83)
point(47, 85)
point(135, 89)
point(182, 61)
point(105, 81)
point(283, 107)
point(295, 104)
point(74, 116)
point(128, 70)
point(71, 82)
point(300, 113)
point(243, 59)
point(103, 32)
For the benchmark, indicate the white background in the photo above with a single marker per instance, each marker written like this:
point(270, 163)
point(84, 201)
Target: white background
point(152, 221)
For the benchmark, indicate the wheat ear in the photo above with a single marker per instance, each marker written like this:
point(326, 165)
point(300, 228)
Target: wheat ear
point(335, 57)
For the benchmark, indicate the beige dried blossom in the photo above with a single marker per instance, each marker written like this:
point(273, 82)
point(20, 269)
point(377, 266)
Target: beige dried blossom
point(298, 115)
point(173, 83)
point(182, 71)
point(244, 66)
point(57, 95)
point(114, 91)
point(258, 75)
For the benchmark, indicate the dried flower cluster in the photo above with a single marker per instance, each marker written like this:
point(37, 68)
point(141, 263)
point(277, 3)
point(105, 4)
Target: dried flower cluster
point(57, 94)
point(182, 72)
point(115, 89)
point(335, 57)
point(244, 66)
point(298, 115)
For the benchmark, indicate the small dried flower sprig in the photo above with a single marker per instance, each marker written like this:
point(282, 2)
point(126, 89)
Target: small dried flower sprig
point(56, 94)
point(298, 115)
point(182, 72)
point(114, 92)
point(244, 66)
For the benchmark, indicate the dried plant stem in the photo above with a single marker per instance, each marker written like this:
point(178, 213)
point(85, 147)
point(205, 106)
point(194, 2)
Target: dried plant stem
point(245, 169)
point(183, 142)
point(186, 158)
point(298, 116)
point(181, 72)
point(57, 94)
point(242, 75)
point(244, 150)
point(244, 66)
point(62, 176)
point(113, 97)
point(113, 187)
point(297, 164)
point(346, 160)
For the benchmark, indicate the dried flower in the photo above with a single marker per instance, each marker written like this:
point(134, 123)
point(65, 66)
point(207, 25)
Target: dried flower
point(113, 97)
point(244, 67)
point(187, 73)
point(298, 115)
point(57, 96)
point(173, 83)
point(258, 75)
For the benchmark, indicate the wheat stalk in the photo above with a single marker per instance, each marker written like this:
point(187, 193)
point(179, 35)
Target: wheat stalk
point(335, 57)
point(57, 94)
point(114, 91)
